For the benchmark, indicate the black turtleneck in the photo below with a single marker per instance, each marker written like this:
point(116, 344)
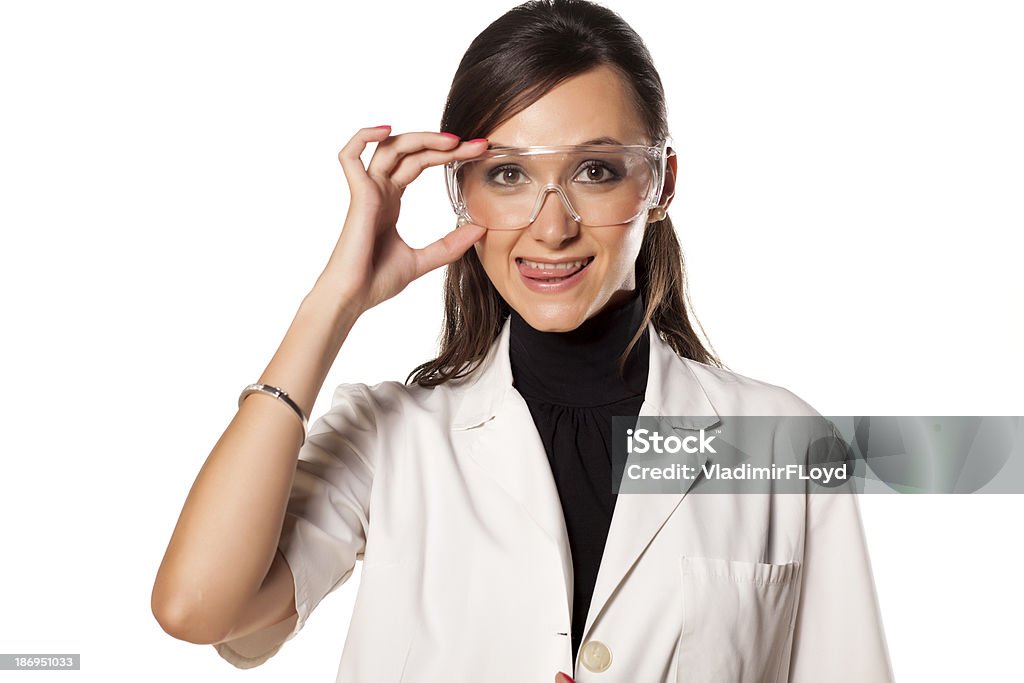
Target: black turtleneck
point(571, 383)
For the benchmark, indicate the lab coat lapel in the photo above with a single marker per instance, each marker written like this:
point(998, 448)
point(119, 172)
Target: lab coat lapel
point(506, 445)
point(672, 390)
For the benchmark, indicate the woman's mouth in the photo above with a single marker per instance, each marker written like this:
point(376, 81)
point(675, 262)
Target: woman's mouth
point(541, 271)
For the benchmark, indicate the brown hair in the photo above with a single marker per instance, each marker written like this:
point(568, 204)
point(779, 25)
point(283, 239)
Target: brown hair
point(513, 63)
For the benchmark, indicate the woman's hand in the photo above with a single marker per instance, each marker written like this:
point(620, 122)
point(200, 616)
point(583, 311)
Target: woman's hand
point(370, 262)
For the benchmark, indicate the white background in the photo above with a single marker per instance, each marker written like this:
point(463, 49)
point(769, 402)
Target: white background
point(849, 203)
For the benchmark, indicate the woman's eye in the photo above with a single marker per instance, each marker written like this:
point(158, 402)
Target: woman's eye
point(507, 175)
point(596, 172)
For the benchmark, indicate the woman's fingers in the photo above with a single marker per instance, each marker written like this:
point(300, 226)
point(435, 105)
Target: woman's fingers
point(358, 180)
point(395, 150)
point(412, 165)
point(447, 249)
point(370, 255)
point(389, 153)
point(400, 159)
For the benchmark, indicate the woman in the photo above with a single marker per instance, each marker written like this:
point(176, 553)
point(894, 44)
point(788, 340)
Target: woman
point(479, 495)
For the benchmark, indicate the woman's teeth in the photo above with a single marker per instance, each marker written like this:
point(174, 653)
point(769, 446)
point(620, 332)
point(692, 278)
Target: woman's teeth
point(552, 272)
point(568, 265)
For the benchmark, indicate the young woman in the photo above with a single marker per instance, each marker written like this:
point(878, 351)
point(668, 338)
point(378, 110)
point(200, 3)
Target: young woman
point(479, 493)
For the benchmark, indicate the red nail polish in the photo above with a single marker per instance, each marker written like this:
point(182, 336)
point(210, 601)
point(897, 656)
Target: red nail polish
point(384, 126)
point(478, 140)
point(452, 135)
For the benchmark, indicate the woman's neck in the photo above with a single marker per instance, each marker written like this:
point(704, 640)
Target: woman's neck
point(581, 367)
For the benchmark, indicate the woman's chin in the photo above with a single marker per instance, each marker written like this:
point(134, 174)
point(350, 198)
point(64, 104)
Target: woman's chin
point(552, 316)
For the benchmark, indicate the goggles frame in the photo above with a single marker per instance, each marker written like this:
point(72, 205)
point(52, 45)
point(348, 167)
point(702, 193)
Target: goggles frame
point(655, 155)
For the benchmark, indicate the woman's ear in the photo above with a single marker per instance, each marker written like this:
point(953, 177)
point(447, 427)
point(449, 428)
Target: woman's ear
point(668, 191)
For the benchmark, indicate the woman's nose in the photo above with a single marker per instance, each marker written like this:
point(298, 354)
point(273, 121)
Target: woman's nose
point(555, 222)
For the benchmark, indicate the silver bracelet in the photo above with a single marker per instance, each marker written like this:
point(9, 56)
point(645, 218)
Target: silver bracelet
point(276, 393)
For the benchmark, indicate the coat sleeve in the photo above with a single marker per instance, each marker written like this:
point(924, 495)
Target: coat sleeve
point(838, 634)
point(327, 516)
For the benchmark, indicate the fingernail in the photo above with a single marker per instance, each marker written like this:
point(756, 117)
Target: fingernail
point(478, 140)
point(384, 126)
point(452, 135)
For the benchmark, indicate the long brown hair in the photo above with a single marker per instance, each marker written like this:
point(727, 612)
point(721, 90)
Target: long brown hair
point(513, 63)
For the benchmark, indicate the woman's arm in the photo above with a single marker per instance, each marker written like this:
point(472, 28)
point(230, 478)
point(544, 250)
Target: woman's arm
point(221, 576)
point(273, 603)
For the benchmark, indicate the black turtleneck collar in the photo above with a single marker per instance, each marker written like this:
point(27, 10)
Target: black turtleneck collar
point(581, 367)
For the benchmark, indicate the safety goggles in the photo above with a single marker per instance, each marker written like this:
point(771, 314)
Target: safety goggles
point(600, 185)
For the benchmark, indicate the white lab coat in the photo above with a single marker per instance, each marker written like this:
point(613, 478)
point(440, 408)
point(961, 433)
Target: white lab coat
point(447, 496)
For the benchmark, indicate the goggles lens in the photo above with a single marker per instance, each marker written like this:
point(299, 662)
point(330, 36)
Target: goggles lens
point(505, 189)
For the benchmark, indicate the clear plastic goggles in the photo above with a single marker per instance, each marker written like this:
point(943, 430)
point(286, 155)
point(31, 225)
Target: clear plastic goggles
point(600, 185)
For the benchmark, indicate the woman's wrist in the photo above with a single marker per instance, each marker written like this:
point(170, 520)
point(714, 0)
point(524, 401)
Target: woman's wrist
point(336, 300)
point(311, 345)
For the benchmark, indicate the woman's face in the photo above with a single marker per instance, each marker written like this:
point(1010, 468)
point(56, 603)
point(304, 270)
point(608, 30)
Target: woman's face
point(591, 105)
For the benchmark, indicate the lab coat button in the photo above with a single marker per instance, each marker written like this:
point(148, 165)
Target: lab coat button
point(596, 656)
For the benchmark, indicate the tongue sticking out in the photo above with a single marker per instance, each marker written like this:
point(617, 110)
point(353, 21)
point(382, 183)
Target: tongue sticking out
point(550, 274)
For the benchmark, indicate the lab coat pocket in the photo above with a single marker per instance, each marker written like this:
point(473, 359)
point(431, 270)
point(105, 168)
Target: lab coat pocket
point(737, 620)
